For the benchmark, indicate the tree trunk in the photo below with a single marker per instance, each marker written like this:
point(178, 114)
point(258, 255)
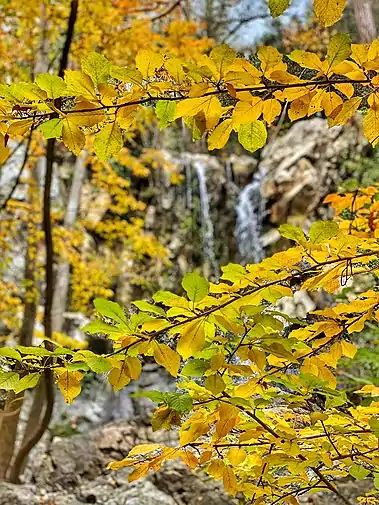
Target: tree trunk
point(8, 429)
point(364, 17)
point(62, 280)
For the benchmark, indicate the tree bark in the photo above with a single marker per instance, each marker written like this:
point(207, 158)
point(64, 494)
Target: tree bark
point(62, 281)
point(364, 17)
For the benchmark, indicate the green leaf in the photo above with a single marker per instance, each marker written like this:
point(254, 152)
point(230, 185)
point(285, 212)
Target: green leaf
point(358, 472)
point(339, 49)
point(149, 307)
point(165, 111)
point(9, 380)
point(111, 310)
point(292, 233)
point(61, 351)
point(79, 365)
point(99, 364)
point(374, 425)
point(195, 368)
point(108, 141)
point(9, 352)
point(51, 129)
point(27, 382)
point(126, 75)
point(223, 56)
point(155, 396)
point(52, 84)
point(196, 287)
point(34, 351)
point(181, 403)
point(97, 67)
point(376, 482)
point(196, 125)
point(277, 7)
point(252, 136)
point(320, 231)
point(100, 326)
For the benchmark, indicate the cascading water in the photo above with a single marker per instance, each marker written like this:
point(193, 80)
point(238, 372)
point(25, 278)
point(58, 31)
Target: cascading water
point(250, 215)
point(206, 220)
point(188, 175)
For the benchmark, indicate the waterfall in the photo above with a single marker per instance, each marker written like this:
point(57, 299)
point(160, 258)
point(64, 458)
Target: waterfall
point(188, 175)
point(206, 221)
point(250, 215)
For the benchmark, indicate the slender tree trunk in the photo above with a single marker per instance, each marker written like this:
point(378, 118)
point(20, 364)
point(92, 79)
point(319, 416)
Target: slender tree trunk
point(364, 16)
point(48, 386)
point(62, 281)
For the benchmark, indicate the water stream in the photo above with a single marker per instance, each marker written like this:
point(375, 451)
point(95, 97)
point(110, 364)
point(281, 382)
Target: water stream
point(206, 220)
point(250, 215)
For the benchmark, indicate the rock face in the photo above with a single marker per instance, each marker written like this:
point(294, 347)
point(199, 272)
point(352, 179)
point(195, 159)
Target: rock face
point(302, 166)
point(73, 472)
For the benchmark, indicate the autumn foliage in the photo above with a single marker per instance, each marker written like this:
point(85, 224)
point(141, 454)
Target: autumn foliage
point(258, 404)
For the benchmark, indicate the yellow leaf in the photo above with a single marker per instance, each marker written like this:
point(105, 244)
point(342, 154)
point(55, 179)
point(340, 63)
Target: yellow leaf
point(369, 389)
point(330, 102)
point(348, 349)
point(147, 62)
point(277, 7)
point(329, 11)
point(347, 111)
point(229, 480)
point(269, 58)
point(191, 106)
point(246, 112)
point(139, 472)
point(299, 107)
point(215, 383)
point(258, 357)
point(133, 367)
point(236, 456)
point(19, 127)
point(118, 378)
point(86, 113)
point(271, 110)
point(308, 60)
point(189, 459)
point(246, 390)
point(192, 338)
point(175, 68)
point(167, 357)
point(73, 137)
point(216, 468)
point(143, 449)
point(192, 429)
point(229, 417)
point(371, 126)
point(69, 383)
point(220, 135)
point(346, 89)
point(79, 84)
point(108, 141)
